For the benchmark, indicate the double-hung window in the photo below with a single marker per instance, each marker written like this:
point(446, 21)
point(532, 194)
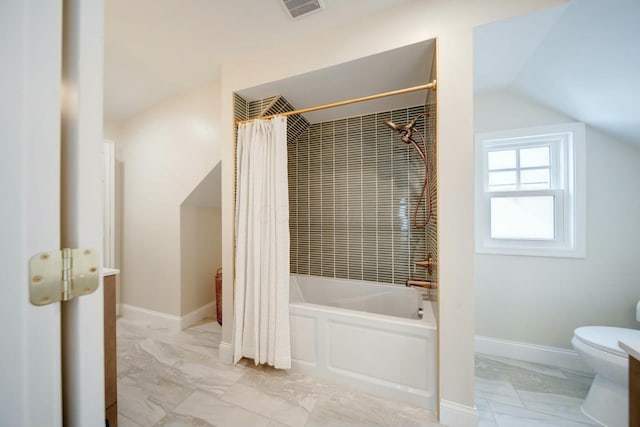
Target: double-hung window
point(530, 196)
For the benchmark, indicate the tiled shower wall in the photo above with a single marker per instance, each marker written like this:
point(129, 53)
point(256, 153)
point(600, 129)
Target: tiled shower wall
point(353, 186)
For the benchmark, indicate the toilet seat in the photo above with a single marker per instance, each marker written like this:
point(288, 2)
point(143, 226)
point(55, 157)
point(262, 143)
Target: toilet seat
point(606, 338)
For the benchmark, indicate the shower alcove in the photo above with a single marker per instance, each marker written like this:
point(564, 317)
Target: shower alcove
point(353, 189)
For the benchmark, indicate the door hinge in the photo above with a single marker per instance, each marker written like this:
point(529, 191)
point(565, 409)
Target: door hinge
point(62, 275)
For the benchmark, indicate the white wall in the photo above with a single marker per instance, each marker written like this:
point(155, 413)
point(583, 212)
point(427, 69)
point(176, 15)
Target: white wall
point(200, 254)
point(166, 152)
point(452, 22)
point(110, 130)
point(541, 300)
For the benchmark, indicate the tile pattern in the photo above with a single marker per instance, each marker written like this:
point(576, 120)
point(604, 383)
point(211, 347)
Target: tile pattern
point(513, 393)
point(431, 229)
point(175, 379)
point(240, 112)
point(296, 123)
point(353, 186)
point(352, 190)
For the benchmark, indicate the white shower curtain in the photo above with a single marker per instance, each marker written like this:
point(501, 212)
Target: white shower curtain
point(261, 295)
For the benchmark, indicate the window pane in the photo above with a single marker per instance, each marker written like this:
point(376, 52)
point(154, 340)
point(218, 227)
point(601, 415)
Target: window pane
point(523, 218)
point(502, 180)
point(503, 159)
point(532, 157)
point(535, 179)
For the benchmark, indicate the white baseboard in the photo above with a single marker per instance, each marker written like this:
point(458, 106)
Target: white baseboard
point(225, 352)
point(153, 318)
point(118, 310)
point(553, 356)
point(162, 320)
point(454, 414)
point(198, 314)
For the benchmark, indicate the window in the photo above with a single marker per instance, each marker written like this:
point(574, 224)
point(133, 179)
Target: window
point(530, 191)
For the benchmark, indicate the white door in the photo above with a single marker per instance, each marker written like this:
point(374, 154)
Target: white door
point(32, 217)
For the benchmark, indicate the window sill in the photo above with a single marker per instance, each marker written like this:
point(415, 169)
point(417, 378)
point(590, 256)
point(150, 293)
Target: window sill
point(535, 252)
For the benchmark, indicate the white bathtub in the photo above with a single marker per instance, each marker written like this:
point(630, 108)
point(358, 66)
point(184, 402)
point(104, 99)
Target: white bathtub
point(365, 335)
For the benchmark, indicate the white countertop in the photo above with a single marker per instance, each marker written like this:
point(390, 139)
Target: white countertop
point(106, 271)
point(631, 347)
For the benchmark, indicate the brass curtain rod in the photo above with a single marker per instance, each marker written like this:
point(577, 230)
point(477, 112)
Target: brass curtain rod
point(431, 86)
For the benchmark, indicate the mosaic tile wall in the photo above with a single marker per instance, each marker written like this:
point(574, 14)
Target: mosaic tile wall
point(353, 186)
point(296, 123)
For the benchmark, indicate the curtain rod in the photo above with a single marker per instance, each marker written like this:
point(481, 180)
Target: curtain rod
point(431, 86)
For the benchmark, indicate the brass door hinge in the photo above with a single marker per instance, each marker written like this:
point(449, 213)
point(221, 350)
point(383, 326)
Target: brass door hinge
point(62, 275)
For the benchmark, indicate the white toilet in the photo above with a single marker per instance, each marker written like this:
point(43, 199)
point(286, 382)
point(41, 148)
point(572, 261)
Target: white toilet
point(608, 398)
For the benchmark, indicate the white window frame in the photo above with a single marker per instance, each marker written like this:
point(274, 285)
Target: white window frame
point(568, 178)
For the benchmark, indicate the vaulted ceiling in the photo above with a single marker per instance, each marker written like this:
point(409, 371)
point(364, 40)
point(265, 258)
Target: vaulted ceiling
point(581, 59)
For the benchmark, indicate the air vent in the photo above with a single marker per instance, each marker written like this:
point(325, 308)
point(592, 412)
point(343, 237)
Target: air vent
point(299, 8)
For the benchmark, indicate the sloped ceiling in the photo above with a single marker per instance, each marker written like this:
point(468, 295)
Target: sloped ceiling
point(581, 59)
point(387, 71)
point(155, 49)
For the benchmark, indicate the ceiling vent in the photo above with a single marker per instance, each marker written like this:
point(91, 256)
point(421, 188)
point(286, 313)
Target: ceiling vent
point(299, 8)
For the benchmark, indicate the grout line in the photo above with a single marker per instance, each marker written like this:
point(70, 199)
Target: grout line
point(131, 420)
point(320, 182)
point(308, 250)
point(348, 198)
point(409, 210)
point(393, 248)
point(377, 237)
point(361, 209)
point(333, 158)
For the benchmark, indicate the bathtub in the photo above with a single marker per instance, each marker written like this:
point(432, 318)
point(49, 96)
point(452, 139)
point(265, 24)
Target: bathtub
point(365, 335)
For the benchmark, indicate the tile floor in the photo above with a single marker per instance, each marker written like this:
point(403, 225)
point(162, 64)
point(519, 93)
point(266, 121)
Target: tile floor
point(513, 393)
point(175, 379)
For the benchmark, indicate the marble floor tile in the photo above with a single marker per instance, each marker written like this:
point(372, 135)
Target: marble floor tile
point(532, 377)
point(485, 361)
point(497, 391)
point(163, 387)
point(202, 407)
point(202, 334)
point(176, 420)
point(209, 326)
point(580, 381)
point(485, 415)
point(188, 365)
point(135, 403)
point(169, 378)
point(512, 416)
point(126, 422)
point(350, 408)
point(287, 397)
point(554, 404)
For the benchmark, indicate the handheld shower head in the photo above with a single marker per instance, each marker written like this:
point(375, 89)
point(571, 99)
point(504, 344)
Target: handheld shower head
point(405, 131)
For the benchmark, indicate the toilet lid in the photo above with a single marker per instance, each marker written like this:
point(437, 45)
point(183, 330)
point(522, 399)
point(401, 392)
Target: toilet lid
point(606, 337)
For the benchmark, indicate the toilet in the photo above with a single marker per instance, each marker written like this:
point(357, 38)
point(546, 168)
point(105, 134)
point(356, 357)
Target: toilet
point(608, 398)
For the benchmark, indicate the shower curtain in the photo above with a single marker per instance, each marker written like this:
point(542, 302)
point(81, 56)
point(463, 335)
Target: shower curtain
point(261, 294)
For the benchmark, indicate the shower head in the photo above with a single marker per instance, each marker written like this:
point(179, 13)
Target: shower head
point(405, 131)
